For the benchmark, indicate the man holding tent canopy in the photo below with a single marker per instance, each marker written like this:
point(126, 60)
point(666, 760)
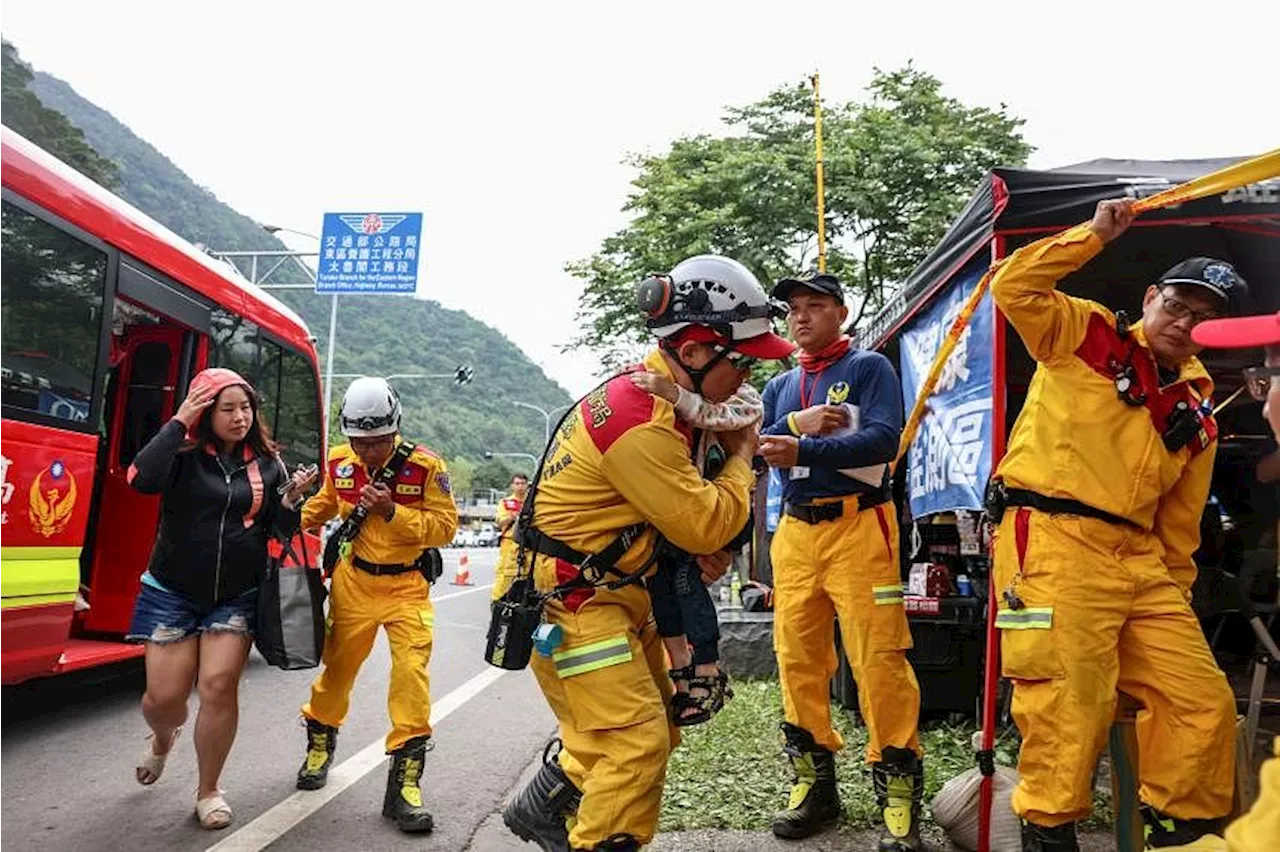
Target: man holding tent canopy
point(1098, 502)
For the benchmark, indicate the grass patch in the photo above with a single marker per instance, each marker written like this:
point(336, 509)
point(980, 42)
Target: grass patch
point(730, 772)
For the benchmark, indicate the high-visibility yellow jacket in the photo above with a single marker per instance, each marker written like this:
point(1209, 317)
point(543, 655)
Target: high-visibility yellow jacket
point(623, 457)
point(1075, 437)
point(509, 508)
point(425, 515)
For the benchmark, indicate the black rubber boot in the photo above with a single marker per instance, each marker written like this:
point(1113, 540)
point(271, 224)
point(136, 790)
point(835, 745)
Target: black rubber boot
point(1165, 832)
point(321, 741)
point(1060, 838)
point(815, 802)
point(899, 784)
point(538, 812)
point(403, 799)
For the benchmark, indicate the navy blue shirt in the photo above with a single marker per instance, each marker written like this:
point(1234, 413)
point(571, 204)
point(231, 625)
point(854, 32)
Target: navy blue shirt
point(861, 378)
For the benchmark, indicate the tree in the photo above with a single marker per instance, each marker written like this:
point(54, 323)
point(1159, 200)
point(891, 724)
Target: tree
point(493, 473)
point(898, 169)
point(461, 475)
point(50, 129)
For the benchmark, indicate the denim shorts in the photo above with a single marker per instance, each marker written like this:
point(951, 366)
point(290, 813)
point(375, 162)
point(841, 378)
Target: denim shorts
point(162, 616)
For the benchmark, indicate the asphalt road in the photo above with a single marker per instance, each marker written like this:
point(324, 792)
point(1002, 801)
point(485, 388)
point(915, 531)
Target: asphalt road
point(69, 747)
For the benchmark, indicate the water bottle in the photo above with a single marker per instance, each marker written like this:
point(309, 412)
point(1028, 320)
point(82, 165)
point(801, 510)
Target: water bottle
point(735, 590)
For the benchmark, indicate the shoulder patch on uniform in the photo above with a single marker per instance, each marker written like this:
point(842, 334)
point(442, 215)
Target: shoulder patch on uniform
point(613, 410)
point(442, 479)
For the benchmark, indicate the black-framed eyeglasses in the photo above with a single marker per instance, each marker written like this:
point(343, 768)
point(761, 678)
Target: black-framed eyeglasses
point(1180, 310)
point(1258, 380)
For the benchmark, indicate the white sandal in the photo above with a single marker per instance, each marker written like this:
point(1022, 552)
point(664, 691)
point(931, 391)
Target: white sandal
point(152, 763)
point(213, 812)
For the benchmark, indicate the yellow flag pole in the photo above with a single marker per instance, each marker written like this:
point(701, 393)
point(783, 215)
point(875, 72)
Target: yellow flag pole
point(1263, 167)
point(822, 219)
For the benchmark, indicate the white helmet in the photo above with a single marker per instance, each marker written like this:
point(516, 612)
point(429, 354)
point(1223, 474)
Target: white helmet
point(716, 293)
point(370, 408)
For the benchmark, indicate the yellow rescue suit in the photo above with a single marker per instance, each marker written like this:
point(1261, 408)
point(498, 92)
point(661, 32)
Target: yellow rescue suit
point(1106, 603)
point(505, 573)
point(359, 601)
point(621, 458)
point(845, 568)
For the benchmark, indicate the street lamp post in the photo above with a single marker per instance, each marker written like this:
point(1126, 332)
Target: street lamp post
point(546, 416)
point(530, 456)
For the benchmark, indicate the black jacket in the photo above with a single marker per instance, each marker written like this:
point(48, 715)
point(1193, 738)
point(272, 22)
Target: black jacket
point(216, 516)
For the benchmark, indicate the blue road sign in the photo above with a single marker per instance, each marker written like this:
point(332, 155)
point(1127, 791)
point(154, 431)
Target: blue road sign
point(369, 253)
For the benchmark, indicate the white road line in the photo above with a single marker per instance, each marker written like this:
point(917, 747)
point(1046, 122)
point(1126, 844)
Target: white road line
point(273, 823)
point(435, 599)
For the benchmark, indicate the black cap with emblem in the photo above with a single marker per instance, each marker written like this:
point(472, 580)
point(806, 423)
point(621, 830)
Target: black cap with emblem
point(819, 282)
point(1217, 276)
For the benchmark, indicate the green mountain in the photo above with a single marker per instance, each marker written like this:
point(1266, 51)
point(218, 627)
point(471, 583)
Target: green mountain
point(378, 335)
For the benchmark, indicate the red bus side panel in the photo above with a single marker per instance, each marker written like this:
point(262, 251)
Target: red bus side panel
point(47, 488)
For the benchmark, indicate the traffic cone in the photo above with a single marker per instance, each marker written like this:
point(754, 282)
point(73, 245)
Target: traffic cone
point(462, 576)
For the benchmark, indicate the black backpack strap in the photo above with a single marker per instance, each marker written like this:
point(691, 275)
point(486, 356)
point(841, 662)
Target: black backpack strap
point(385, 476)
point(593, 569)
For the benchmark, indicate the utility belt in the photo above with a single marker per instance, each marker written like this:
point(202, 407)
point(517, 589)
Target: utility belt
point(1000, 497)
point(429, 564)
point(816, 513)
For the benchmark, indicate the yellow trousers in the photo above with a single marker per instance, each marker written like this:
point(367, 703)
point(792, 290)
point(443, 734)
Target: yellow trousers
point(1259, 829)
point(359, 603)
point(1101, 613)
point(845, 568)
point(505, 573)
point(608, 687)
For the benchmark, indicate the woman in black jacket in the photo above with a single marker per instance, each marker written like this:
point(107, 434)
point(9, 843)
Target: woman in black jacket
point(220, 479)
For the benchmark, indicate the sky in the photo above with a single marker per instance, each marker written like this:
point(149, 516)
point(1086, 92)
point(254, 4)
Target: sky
point(507, 123)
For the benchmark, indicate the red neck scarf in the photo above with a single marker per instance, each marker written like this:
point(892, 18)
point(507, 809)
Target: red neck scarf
point(816, 362)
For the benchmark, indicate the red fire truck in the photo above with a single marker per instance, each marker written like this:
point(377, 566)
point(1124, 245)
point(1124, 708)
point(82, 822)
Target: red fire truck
point(106, 316)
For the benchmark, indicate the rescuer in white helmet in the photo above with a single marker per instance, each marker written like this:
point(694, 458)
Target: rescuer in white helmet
point(395, 503)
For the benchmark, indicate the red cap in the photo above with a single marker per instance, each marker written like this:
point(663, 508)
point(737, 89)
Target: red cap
point(215, 379)
point(1239, 332)
point(767, 346)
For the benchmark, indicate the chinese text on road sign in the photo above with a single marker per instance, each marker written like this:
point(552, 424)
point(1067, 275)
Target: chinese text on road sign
point(369, 253)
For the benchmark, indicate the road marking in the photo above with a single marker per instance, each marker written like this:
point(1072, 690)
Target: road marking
point(270, 825)
point(435, 599)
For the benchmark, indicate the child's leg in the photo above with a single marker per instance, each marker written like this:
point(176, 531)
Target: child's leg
point(666, 614)
point(702, 626)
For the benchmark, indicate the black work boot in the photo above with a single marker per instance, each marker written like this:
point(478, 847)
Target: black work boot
point(1060, 838)
point(403, 800)
point(538, 812)
point(321, 741)
point(1165, 832)
point(899, 782)
point(815, 802)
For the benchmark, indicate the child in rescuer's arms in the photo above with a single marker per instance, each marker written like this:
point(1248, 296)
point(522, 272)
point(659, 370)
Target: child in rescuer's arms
point(682, 606)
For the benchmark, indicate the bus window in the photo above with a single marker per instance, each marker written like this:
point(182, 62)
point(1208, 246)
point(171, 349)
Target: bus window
point(52, 317)
point(297, 423)
point(235, 343)
point(267, 382)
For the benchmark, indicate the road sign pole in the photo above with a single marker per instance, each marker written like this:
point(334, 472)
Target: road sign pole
point(328, 366)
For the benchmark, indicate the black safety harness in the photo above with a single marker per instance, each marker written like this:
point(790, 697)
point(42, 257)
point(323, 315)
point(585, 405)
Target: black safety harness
point(594, 569)
point(339, 544)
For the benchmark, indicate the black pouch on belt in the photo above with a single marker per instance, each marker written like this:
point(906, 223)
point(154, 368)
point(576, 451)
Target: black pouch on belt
point(514, 618)
point(994, 501)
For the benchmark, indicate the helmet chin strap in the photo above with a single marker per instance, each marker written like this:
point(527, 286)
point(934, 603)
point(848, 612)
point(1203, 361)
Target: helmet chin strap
point(696, 374)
